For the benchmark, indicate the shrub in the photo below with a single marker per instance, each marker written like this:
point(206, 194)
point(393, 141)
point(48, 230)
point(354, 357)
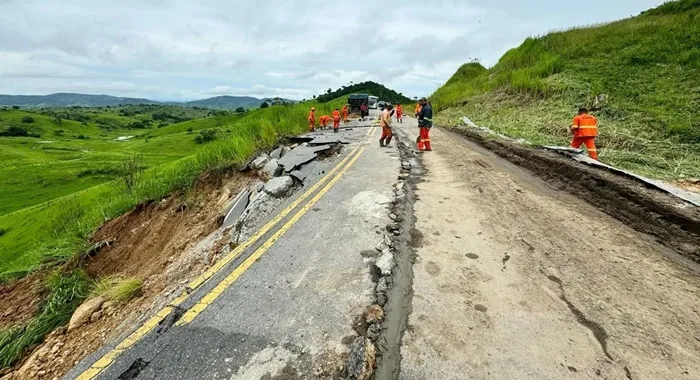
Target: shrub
point(205, 135)
point(15, 107)
point(189, 130)
point(2, 231)
point(240, 110)
point(82, 137)
point(130, 170)
point(15, 131)
point(27, 119)
point(264, 105)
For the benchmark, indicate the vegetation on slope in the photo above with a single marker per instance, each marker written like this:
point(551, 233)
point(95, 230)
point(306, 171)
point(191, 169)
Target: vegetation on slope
point(52, 232)
point(370, 88)
point(648, 66)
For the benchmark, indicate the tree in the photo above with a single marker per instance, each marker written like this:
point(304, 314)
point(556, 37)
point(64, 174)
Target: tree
point(329, 91)
point(264, 105)
point(240, 110)
point(15, 107)
point(27, 119)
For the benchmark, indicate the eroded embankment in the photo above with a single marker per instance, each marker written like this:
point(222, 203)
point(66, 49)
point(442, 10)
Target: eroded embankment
point(153, 243)
point(671, 221)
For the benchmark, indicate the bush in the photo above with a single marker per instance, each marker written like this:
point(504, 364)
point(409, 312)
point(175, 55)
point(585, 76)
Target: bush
point(240, 110)
point(27, 119)
point(264, 105)
point(205, 135)
point(15, 131)
point(82, 137)
point(130, 170)
point(15, 107)
point(2, 231)
point(189, 130)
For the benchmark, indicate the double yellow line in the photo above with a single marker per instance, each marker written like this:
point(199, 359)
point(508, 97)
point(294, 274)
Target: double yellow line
point(106, 360)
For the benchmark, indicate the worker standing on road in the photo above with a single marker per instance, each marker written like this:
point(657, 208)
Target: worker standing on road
point(312, 119)
point(336, 120)
point(385, 122)
point(585, 130)
point(345, 113)
point(364, 111)
point(399, 113)
point(324, 121)
point(425, 122)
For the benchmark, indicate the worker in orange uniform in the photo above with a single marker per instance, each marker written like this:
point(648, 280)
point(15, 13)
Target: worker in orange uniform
point(385, 122)
point(399, 113)
point(336, 120)
point(425, 122)
point(585, 130)
point(324, 120)
point(312, 119)
point(418, 108)
point(345, 113)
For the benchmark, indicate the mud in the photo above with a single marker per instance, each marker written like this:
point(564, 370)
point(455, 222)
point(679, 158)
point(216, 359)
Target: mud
point(671, 221)
point(21, 299)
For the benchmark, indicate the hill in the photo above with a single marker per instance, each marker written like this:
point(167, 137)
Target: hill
point(369, 87)
point(85, 100)
point(648, 67)
point(225, 102)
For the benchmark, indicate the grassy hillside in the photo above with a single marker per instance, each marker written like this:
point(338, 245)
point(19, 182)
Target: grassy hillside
point(84, 179)
point(86, 100)
point(370, 88)
point(648, 66)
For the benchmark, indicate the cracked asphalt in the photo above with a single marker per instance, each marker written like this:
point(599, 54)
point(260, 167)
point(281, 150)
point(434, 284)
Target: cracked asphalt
point(513, 279)
point(292, 311)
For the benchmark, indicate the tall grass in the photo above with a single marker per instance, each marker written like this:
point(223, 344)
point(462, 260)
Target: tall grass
point(64, 228)
point(649, 66)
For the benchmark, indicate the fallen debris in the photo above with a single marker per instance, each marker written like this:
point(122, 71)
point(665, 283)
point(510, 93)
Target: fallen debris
point(260, 162)
point(237, 207)
point(272, 168)
point(279, 187)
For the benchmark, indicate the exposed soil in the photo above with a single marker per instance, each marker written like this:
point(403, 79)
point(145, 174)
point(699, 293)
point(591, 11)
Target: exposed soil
point(153, 242)
point(673, 222)
point(582, 296)
point(20, 299)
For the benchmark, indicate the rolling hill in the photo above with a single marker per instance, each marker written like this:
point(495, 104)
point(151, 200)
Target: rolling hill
point(648, 68)
point(86, 100)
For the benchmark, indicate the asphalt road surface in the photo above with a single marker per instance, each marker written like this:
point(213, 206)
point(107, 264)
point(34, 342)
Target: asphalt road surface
point(512, 280)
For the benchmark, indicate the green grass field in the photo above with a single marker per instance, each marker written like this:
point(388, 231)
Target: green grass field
point(648, 66)
point(58, 188)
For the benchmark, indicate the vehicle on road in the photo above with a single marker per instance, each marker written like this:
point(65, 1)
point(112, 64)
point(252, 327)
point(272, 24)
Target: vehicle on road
point(373, 102)
point(381, 105)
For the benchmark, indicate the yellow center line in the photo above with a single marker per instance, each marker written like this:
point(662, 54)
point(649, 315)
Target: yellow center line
point(208, 299)
point(154, 321)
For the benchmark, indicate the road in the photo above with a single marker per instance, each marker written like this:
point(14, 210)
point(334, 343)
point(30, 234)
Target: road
point(509, 279)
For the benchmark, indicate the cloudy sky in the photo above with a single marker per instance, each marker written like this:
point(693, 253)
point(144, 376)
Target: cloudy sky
point(187, 49)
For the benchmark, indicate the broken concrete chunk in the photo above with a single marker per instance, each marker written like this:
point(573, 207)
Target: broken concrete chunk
point(279, 187)
point(277, 153)
point(260, 162)
point(385, 263)
point(83, 313)
point(272, 168)
point(298, 175)
point(236, 209)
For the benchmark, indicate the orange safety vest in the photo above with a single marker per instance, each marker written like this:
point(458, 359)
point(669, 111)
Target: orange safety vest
point(418, 108)
point(336, 115)
point(585, 126)
point(325, 119)
point(345, 110)
point(312, 116)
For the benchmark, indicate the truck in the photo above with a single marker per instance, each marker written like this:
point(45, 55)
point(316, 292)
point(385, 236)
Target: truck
point(356, 100)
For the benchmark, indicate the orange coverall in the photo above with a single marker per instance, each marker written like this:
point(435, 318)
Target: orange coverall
point(324, 121)
point(418, 108)
point(585, 128)
point(345, 113)
point(312, 121)
point(399, 113)
point(336, 119)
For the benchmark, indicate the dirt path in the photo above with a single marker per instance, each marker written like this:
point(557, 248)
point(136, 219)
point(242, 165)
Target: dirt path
point(515, 280)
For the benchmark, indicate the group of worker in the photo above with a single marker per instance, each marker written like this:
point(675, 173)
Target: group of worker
point(324, 120)
point(584, 126)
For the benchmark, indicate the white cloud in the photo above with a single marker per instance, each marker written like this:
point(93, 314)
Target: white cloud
point(179, 49)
